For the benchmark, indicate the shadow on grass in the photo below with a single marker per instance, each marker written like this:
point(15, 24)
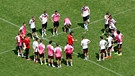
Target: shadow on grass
point(63, 61)
point(50, 30)
point(15, 51)
point(80, 55)
point(40, 31)
point(97, 56)
point(80, 24)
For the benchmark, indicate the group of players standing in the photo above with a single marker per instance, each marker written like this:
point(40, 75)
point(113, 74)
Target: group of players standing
point(113, 42)
point(23, 42)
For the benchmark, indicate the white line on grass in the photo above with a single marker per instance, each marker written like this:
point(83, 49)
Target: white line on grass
point(72, 29)
point(95, 21)
point(6, 51)
point(101, 66)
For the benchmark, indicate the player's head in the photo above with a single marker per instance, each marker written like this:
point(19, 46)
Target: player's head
point(44, 12)
point(41, 41)
point(101, 37)
point(32, 17)
point(36, 39)
point(82, 37)
point(56, 12)
point(57, 44)
point(50, 42)
point(24, 24)
point(118, 32)
point(71, 33)
point(107, 13)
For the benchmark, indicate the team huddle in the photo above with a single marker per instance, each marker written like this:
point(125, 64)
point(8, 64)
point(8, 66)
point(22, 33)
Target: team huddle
point(113, 42)
point(23, 42)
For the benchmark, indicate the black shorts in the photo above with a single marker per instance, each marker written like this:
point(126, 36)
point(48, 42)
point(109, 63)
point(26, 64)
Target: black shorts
point(41, 55)
point(102, 51)
point(85, 50)
point(33, 30)
point(36, 53)
point(44, 25)
point(86, 18)
point(109, 48)
point(50, 57)
point(19, 47)
point(68, 56)
point(119, 46)
point(58, 58)
point(106, 25)
point(56, 24)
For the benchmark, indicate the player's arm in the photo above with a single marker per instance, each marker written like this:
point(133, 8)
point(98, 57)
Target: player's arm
point(40, 18)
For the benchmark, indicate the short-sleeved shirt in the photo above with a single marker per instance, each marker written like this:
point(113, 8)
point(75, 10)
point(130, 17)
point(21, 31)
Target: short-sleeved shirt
point(67, 21)
point(35, 46)
point(41, 48)
point(23, 28)
point(85, 11)
point(58, 52)
point(27, 42)
point(68, 49)
point(70, 39)
point(44, 18)
point(102, 44)
point(84, 43)
point(32, 23)
point(110, 39)
point(50, 50)
point(55, 17)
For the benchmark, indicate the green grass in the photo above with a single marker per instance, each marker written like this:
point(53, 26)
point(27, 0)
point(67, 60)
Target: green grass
point(19, 11)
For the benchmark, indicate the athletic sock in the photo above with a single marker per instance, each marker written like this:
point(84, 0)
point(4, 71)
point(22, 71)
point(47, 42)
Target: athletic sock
point(42, 33)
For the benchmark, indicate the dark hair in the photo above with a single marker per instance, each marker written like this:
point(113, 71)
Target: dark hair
point(71, 32)
point(82, 36)
point(101, 37)
point(50, 42)
point(56, 11)
point(118, 31)
point(36, 39)
point(41, 40)
point(57, 44)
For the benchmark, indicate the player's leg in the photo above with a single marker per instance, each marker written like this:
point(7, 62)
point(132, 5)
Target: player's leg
point(42, 30)
point(27, 54)
point(49, 60)
point(52, 62)
point(54, 27)
point(67, 60)
point(99, 59)
point(41, 59)
point(120, 50)
point(60, 62)
point(57, 25)
point(71, 60)
point(45, 29)
point(44, 59)
point(65, 28)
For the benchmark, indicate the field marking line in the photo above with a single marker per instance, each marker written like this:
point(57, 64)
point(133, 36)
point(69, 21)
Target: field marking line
point(101, 66)
point(94, 21)
point(72, 29)
point(6, 51)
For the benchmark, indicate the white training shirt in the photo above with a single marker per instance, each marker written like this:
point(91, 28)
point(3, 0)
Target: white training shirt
point(32, 23)
point(35, 46)
point(44, 18)
point(102, 44)
point(85, 11)
point(110, 39)
point(106, 19)
point(112, 26)
point(84, 43)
